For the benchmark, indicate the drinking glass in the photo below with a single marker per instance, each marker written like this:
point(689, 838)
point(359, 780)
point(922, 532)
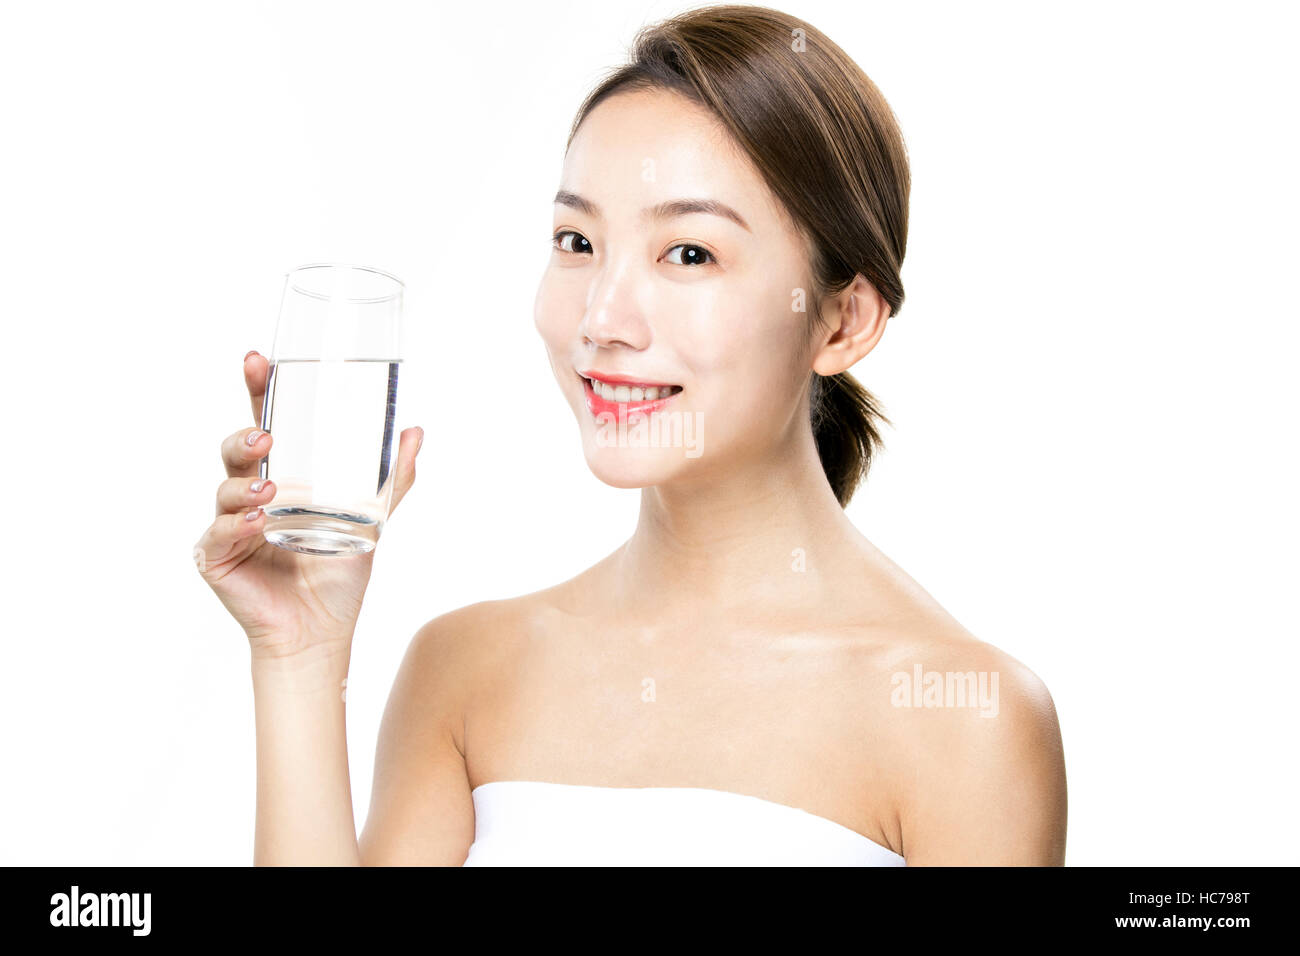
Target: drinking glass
point(331, 400)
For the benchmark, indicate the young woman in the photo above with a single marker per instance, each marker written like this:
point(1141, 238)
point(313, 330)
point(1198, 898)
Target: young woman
point(732, 684)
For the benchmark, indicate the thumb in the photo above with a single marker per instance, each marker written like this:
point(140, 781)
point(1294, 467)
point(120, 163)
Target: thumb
point(407, 448)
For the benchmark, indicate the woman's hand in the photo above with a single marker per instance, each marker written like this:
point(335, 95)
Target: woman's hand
point(287, 603)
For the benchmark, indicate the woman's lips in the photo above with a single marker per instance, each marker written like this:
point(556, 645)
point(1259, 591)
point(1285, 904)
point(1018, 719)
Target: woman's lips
point(598, 404)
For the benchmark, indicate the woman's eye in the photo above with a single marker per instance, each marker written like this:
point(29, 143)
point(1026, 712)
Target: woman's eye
point(690, 255)
point(579, 243)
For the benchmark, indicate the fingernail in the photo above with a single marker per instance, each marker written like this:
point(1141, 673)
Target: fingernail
point(419, 443)
point(257, 486)
point(253, 515)
point(253, 437)
point(250, 352)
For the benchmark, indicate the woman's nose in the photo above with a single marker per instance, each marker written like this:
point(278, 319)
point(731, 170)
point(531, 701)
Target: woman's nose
point(613, 315)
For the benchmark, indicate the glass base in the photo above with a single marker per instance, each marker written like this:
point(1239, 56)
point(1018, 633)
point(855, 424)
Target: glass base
point(321, 531)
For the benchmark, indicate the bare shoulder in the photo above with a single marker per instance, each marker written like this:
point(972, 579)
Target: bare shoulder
point(458, 648)
point(489, 628)
point(421, 805)
point(947, 669)
point(441, 672)
point(986, 774)
point(454, 637)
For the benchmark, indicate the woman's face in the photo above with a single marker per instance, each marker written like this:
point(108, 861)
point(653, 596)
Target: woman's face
point(653, 285)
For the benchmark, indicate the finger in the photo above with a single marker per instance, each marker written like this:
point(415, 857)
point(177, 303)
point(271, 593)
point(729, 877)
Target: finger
point(257, 371)
point(241, 458)
point(228, 540)
point(240, 494)
point(408, 447)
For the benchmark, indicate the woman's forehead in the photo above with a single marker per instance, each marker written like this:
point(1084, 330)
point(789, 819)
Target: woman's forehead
point(637, 149)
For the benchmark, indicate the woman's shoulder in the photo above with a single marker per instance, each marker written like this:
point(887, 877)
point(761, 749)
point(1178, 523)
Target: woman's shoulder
point(969, 738)
point(497, 625)
point(967, 682)
point(920, 641)
point(968, 689)
point(950, 694)
point(972, 723)
point(985, 756)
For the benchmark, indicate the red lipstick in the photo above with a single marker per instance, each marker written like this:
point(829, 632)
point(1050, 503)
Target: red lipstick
point(598, 405)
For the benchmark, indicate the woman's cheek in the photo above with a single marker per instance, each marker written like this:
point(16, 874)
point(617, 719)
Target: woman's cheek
point(550, 316)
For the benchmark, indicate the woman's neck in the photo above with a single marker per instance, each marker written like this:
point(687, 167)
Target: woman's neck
point(766, 534)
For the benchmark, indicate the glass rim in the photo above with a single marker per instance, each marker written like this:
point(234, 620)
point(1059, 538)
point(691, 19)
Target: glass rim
point(401, 286)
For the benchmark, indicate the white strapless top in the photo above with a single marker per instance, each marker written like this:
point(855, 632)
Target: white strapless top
point(531, 823)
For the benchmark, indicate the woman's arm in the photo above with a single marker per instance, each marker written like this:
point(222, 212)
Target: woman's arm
point(299, 613)
point(990, 790)
point(304, 795)
point(421, 809)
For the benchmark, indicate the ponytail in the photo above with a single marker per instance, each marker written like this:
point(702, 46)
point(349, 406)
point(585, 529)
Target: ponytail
point(844, 424)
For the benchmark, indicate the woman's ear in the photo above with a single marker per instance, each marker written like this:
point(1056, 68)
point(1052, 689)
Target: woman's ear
point(857, 318)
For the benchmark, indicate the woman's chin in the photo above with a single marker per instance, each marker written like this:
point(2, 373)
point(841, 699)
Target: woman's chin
point(635, 467)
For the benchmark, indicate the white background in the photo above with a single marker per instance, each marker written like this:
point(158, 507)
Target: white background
point(1093, 463)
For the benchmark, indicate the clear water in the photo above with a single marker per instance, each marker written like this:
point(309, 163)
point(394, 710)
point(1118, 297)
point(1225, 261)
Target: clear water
point(331, 458)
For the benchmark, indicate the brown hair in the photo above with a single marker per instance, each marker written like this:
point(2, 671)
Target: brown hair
point(827, 145)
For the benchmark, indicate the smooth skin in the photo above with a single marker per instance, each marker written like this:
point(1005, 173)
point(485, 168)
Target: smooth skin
point(767, 680)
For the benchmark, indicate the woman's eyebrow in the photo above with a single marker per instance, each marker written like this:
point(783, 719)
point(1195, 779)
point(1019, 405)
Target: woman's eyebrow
point(574, 201)
point(664, 210)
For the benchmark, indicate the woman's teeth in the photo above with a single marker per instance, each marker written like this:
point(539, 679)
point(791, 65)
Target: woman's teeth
point(632, 393)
